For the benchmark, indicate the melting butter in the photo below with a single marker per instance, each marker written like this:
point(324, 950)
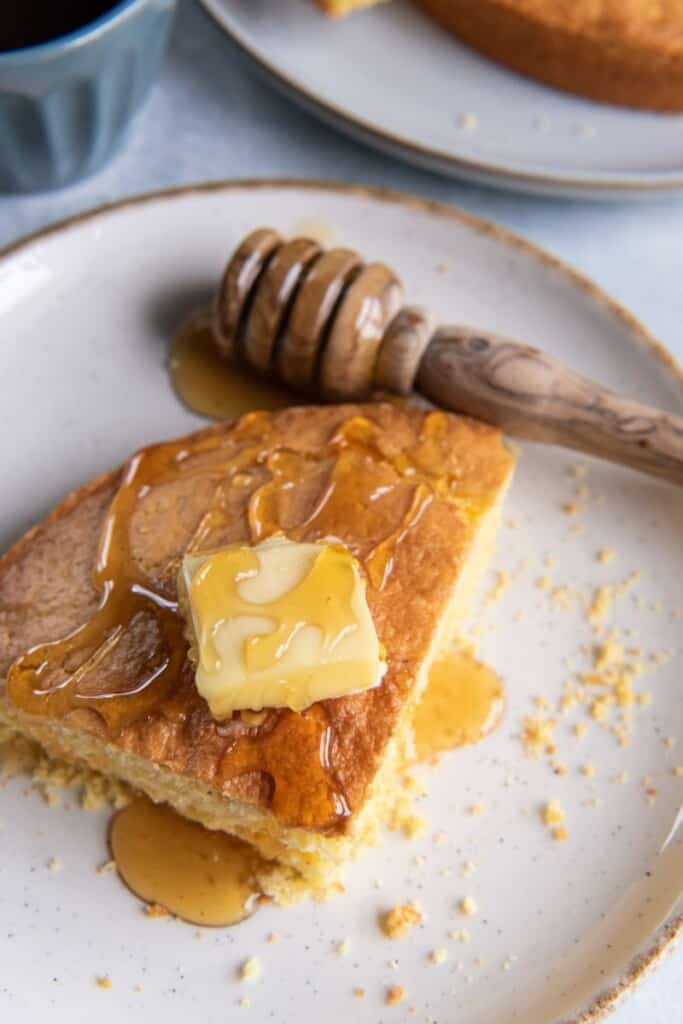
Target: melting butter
point(281, 624)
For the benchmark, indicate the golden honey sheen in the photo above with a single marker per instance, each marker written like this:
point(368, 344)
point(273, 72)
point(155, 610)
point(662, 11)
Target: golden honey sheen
point(280, 624)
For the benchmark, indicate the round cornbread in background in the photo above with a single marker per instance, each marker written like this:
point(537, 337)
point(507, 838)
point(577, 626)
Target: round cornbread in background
point(628, 52)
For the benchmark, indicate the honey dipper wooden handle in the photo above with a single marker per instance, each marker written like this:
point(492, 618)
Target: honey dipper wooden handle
point(531, 395)
point(333, 327)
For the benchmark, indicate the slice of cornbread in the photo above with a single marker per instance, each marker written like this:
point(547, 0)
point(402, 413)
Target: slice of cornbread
point(94, 648)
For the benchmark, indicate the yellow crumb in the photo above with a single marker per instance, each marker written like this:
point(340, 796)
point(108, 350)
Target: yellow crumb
point(477, 809)
point(394, 995)
point(250, 970)
point(460, 936)
point(610, 652)
point(553, 813)
point(104, 981)
point(678, 771)
point(560, 833)
point(670, 742)
point(468, 868)
point(106, 867)
point(559, 767)
point(588, 770)
point(438, 956)
point(580, 729)
point(245, 1002)
point(55, 864)
point(537, 732)
point(156, 910)
point(359, 993)
point(598, 709)
point(397, 922)
point(570, 507)
point(469, 906)
point(544, 582)
point(644, 698)
point(503, 581)
point(621, 777)
point(605, 554)
point(344, 947)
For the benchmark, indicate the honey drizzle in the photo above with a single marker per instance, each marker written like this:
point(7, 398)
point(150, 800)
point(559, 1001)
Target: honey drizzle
point(359, 463)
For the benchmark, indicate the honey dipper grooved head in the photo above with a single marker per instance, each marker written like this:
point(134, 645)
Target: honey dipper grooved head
point(324, 322)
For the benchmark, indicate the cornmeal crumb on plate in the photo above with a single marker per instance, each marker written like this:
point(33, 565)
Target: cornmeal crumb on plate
point(344, 947)
point(394, 995)
point(678, 771)
point(588, 770)
point(156, 910)
point(106, 868)
point(250, 969)
point(273, 937)
point(359, 993)
point(468, 906)
point(477, 809)
point(460, 936)
point(104, 981)
point(606, 554)
point(398, 921)
point(245, 1002)
point(560, 833)
point(55, 864)
point(438, 956)
point(553, 813)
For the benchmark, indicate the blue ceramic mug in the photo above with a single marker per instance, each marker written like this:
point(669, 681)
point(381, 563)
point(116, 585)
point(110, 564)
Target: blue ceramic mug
point(65, 104)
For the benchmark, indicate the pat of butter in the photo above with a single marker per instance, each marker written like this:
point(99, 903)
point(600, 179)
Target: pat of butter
point(281, 624)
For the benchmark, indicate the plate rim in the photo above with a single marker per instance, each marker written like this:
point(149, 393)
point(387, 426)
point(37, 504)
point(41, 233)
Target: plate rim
point(433, 158)
point(667, 934)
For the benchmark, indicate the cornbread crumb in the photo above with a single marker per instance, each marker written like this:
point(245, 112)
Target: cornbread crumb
point(462, 935)
point(397, 922)
point(439, 838)
point(544, 582)
point(273, 937)
point(580, 729)
point(106, 867)
point(553, 813)
point(670, 742)
point(438, 956)
point(560, 833)
point(250, 970)
point(468, 906)
point(245, 1002)
point(477, 809)
point(468, 122)
point(621, 777)
point(393, 964)
point(678, 771)
point(103, 981)
point(605, 554)
point(503, 581)
point(468, 868)
point(55, 864)
point(394, 995)
point(588, 770)
point(359, 993)
point(156, 910)
point(570, 507)
point(344, 947)
point(537, 732)
point(578, 471)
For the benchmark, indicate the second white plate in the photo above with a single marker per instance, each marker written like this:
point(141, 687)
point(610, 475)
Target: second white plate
point(395, 80)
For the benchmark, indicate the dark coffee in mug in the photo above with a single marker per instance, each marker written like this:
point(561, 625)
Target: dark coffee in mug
point(30, 22)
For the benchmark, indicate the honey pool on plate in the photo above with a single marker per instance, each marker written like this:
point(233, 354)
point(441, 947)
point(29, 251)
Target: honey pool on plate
point(201, 876)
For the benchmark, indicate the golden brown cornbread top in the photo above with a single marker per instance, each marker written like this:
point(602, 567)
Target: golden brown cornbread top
point(402, 488)
point(658, 23)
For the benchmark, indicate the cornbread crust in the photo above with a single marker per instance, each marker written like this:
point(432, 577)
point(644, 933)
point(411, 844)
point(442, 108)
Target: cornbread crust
point(610, 50)
point(338, 8)
point(178, 753)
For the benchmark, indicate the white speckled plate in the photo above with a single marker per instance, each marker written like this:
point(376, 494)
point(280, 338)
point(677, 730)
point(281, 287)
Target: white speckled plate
point(562, 927)
point(392, 78)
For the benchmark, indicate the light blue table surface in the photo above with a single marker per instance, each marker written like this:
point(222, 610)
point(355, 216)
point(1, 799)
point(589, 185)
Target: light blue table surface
point(208, 117)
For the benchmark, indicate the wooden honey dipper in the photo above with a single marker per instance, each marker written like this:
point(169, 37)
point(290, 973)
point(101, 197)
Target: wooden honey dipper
point(334, 328)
